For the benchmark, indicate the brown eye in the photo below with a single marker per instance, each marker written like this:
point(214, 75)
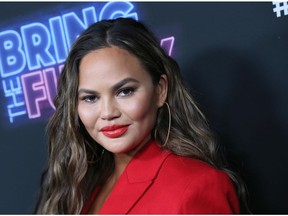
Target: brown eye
point(90, 98)
point(126, 92)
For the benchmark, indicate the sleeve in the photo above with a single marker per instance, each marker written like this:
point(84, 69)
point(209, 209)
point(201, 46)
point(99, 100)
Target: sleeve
point(212, 193)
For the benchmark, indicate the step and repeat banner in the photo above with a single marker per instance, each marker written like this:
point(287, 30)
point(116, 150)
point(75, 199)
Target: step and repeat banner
point(233, 58)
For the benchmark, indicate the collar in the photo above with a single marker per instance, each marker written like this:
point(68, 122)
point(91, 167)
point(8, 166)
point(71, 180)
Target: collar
point(136, 179)
point(146, 163)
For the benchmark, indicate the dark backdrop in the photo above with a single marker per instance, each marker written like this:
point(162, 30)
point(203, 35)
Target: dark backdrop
point(233, 57)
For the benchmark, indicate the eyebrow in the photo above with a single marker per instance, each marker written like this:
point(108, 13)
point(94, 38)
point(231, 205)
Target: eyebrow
point(114, 87)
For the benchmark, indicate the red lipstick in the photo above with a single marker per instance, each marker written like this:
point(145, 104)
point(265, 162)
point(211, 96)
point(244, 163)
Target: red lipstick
point(114, 131)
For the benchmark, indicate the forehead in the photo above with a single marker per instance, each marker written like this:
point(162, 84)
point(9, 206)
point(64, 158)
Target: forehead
point(110, 63)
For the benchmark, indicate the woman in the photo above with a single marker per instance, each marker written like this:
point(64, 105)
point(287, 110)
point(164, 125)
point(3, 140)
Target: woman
point(127, 137)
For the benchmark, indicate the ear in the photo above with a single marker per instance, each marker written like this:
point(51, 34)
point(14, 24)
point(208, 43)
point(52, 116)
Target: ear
point(162, 90)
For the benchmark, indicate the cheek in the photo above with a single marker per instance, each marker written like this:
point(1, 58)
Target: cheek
point(86, 116)
point(141, 109)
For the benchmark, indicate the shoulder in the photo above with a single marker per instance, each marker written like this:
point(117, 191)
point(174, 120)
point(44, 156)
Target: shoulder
point(209, 189)
point(194, 172)
point(190, 167)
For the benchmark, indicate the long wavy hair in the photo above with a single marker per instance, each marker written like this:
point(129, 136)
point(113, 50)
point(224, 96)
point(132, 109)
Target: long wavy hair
point(76, 163)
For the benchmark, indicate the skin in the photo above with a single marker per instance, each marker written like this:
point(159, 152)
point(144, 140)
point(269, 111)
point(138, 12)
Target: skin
point(114, 88)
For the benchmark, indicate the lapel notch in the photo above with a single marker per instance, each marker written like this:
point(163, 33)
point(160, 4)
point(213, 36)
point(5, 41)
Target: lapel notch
point(137, 177)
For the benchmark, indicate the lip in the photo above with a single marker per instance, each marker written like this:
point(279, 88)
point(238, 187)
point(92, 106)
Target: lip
point(114, 131)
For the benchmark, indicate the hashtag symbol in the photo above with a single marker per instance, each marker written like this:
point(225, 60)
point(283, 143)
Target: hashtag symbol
point(280, 6)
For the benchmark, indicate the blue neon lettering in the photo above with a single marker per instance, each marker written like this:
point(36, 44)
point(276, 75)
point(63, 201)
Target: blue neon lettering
point(73, 26)
point(113, 10)
point(37, 41)
point(12, 57)
point(12, 89)
point(8, 45)
point(58, 39)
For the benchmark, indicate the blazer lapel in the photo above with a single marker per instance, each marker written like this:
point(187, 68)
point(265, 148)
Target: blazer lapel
point(135, 180)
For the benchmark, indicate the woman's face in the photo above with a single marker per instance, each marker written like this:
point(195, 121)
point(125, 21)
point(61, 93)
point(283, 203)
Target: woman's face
point(117, 101)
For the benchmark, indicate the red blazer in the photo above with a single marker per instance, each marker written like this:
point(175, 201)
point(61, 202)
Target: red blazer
point(159, 182)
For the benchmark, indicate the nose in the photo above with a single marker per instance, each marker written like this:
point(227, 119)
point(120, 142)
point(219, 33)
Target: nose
point(109, 109)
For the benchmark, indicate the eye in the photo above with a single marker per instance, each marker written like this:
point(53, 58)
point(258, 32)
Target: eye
point(125, 92)
point(89, 98)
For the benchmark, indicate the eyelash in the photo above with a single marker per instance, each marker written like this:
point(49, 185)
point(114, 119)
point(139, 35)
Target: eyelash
point(90, 98)
point(94, 98)
point(130, 89)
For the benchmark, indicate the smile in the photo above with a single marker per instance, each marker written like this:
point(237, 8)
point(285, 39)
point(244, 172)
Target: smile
point(114, 131)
